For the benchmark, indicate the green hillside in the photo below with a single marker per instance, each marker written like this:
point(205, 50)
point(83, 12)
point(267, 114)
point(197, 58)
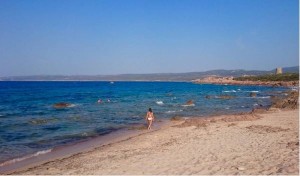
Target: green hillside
point(273, 77)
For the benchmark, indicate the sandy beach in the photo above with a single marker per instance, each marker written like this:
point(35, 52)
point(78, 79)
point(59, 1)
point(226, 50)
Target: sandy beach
point(264, 143)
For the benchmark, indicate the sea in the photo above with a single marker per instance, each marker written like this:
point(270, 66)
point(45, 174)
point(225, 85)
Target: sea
point(31, 125)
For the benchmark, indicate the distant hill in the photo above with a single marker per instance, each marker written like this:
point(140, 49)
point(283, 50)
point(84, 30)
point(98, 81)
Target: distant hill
point(147, 77)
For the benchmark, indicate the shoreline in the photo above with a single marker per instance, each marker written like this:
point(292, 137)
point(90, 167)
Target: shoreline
point(231, 81)
point(79, 146)
point(68, 150)
point(232, 121)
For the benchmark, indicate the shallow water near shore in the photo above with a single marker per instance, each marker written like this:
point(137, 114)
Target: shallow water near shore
point(30, 125)
point(78, 147)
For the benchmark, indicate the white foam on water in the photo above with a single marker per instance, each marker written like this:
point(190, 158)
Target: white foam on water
point(254, 91)
point(257, 97)
point(263, 97)
point(168, 112)
point(160, 102)
point(25, 157)
point(72, 105)
point(188, 105)
point(229, 91)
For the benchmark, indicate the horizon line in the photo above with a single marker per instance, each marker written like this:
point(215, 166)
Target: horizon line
point(120, 74)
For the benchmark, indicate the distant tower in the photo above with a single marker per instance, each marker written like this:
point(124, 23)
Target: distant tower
point(278, 70)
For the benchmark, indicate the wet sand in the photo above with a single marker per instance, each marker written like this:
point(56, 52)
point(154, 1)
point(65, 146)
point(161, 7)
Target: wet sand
point(265, 143)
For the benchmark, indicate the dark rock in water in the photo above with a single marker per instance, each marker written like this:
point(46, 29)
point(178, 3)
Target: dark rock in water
point(208, 97)
point(252, 94)
point(61, 105)
point(190, 102)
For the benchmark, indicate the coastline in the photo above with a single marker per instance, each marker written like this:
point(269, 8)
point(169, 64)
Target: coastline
point(68, 150)
point(40, 123)
point(256, 143)
point(231, 81)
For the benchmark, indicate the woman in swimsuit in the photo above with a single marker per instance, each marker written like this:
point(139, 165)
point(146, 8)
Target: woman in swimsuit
point(150, 118)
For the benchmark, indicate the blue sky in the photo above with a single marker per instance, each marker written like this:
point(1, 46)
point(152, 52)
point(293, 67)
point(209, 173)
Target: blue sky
point(68, 37)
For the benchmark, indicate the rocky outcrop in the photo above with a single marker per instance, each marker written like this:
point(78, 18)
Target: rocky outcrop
point(231, 81)
point(289, 102)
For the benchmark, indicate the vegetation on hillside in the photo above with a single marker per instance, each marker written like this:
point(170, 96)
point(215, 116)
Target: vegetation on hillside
point(271, 77)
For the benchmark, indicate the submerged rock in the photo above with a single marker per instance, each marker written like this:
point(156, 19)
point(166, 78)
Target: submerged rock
point(208, 97)
point(252, 94)
point(190, 102)
point(226, 97)
point(61, 105)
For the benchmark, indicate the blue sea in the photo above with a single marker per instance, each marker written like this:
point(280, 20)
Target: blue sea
point(29, 123)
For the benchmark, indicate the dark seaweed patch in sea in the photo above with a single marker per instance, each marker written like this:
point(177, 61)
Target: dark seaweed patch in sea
point(42, 121)
point(51, 128)
point(54, 141)
point(11, 137)
point(103, 131)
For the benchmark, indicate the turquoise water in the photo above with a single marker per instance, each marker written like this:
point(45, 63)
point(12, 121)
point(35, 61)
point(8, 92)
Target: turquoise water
point(29, 123)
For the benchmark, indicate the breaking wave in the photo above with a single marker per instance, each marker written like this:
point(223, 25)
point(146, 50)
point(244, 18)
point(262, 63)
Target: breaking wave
point(160, 102)
point(25, 157)
point(229, 91)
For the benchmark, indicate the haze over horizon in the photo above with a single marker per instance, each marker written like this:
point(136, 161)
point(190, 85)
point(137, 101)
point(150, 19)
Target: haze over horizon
point(159, 73)
point(110, 37)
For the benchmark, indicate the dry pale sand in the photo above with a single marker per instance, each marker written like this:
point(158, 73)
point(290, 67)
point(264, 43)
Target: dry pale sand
point(246, 144)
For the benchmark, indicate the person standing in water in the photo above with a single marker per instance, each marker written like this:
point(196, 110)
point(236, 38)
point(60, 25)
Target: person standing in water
point(150, 118)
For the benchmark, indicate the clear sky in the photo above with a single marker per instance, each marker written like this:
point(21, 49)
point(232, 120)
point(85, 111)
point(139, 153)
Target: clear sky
point(69, 37)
